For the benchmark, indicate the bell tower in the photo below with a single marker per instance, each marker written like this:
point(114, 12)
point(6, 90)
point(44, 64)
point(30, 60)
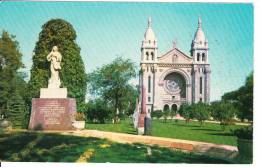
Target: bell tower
point(201, 67)
point(199, 45)
point(148, 60)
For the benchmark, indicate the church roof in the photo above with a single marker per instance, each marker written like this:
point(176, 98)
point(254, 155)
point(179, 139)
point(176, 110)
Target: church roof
point(178, 50)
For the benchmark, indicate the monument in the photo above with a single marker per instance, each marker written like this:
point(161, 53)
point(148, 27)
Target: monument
point(143, 116)
point(53, 110)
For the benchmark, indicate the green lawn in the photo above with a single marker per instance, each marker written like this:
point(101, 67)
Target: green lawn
point(39, 147)
point(209, 132)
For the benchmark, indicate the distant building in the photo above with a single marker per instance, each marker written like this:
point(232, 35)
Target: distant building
point(174, 78)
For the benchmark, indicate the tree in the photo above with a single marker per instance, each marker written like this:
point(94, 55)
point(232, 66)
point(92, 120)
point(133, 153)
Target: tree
point(111, 83)
point(12, 84)
point(186, 111)
point(242, 99)
point(224, 112)
point(173, 113)
point(58, 32)
point(166, 114)
point(98, 110)
point(16, 111)
point(201, 112)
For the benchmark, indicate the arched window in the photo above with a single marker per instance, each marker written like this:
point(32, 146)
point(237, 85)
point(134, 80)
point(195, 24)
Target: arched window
point(152, 55)
point(149, 84)
point(200, 85)
point(203, 56)
point(147, 56)
point(198, 56)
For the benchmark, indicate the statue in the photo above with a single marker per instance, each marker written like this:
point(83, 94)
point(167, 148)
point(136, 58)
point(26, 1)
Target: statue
point(55, 58)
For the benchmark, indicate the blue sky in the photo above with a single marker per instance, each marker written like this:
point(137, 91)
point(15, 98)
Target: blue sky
point(107, 30)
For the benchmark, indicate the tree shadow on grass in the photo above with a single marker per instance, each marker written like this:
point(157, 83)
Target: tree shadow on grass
point(206, 129)
point(221, 134)
point(38, 147)
point(44, 147)
point(185, 125)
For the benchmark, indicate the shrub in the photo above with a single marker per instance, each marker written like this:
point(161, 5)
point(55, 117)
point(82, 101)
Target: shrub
point(156, 114)
point(80, 116)
point(98, 110)
point(244, 133)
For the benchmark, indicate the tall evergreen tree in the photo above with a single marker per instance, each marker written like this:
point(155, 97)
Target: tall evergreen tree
point(58, 32)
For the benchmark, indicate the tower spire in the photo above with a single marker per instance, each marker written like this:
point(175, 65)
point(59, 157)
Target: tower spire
point(199, 22)
point(149, 22)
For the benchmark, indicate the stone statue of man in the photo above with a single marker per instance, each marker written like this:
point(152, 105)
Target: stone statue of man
point(55, 58)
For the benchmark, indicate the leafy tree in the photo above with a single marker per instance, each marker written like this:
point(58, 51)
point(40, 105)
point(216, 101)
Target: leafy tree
point(242, 99)
point(98, 110)
point(201, 112)
point(224, 112)
point(166, 114)
point(157, 114)
point(111, 83)
point(12, 84)
point(129, 101)
point(58, 32)
point(186, 111)
point(173, 113)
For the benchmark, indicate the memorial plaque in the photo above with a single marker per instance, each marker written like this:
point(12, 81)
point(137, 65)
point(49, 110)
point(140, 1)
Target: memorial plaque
point(141, 120)
point(52, 114)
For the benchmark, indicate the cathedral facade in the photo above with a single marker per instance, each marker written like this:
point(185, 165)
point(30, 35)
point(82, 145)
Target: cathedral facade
point(173, 78)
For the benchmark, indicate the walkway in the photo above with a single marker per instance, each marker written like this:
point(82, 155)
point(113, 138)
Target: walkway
point(209, 149)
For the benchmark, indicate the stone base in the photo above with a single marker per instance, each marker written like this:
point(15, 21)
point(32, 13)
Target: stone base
point(140, 126)
point(140, 130)
point(52, 114)
point(53, 93)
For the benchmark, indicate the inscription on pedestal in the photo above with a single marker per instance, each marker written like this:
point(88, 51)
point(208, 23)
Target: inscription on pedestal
point(52, 114)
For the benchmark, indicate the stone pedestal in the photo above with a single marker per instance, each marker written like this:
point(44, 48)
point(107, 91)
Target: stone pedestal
point(52, 114)
point(140, 127)
point(53, 93)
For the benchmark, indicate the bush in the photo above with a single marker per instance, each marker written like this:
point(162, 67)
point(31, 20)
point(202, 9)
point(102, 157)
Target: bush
point(157, 114)
point(80, 116)
point(244, 133)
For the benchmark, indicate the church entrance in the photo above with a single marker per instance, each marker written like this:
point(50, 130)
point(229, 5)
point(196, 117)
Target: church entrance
point(166, 107)
point(174, 107)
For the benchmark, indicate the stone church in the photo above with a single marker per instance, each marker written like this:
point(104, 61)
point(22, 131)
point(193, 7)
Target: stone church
point(173, 78)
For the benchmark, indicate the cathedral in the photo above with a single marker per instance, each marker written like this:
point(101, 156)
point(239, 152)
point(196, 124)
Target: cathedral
point(173, 78)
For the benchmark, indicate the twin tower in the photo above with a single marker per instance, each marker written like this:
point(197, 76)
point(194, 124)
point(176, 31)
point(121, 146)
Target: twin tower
point(173, 78)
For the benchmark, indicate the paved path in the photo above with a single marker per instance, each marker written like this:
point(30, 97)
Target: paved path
point(210, 149)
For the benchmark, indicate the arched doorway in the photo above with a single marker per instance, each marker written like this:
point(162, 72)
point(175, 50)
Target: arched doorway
point(174, 108)
point(166, 107)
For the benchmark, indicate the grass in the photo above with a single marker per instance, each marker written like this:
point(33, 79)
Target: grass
point(209, 132)
point(43, 147)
